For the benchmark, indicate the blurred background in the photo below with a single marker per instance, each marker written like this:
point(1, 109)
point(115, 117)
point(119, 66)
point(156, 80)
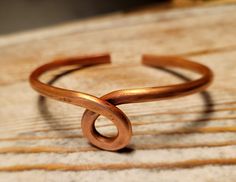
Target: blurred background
point(20, 15)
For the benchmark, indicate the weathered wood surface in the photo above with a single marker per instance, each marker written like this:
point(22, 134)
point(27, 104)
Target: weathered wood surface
point(187, 139)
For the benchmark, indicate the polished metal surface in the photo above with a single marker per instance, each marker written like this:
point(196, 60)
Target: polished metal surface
point(106, 105)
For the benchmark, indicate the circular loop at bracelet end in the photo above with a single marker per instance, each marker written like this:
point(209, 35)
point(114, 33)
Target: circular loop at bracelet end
point(113, 143)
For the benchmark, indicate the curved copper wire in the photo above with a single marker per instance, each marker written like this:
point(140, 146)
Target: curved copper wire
point(106, 105)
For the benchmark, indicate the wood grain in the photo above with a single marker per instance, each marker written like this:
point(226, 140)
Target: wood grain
point(174, 140)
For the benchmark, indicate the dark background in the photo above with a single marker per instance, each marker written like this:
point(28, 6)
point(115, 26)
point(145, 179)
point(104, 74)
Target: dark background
point(19, 15)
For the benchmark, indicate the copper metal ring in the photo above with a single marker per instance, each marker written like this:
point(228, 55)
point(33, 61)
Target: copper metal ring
point(106, 105)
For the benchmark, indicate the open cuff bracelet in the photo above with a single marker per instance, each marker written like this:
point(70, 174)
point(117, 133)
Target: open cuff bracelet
point(106, 105)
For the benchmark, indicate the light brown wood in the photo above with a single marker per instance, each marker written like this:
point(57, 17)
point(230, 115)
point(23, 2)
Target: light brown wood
point(183, 3)
point(195, 132)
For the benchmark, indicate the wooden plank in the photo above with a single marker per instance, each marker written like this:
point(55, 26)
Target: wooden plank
point(42, 138)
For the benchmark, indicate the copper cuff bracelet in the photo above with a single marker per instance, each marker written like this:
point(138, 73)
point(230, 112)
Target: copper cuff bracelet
point(106, 105)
